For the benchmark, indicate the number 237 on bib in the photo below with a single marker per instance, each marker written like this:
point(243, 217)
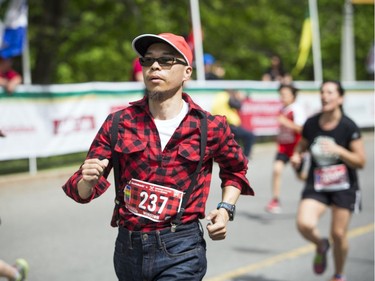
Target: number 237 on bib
point(155, 202)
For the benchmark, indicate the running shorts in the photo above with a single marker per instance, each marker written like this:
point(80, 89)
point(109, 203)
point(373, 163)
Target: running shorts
point(348, 199)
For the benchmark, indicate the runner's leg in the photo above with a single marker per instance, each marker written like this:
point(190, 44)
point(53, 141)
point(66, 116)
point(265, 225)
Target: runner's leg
point(278, 167)
point(309, 213)
point(339, 230)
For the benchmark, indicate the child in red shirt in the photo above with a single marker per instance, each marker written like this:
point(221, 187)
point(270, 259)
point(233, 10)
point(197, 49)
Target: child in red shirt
point(291, 119)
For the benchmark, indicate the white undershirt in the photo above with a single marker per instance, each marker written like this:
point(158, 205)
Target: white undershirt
point(166, 128)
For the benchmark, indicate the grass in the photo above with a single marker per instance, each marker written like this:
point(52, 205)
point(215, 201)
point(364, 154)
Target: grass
point(22, 165)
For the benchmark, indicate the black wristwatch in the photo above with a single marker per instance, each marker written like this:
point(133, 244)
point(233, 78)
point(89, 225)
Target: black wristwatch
point(231, 209)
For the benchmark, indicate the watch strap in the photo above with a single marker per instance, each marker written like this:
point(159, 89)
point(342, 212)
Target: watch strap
point(229, 207)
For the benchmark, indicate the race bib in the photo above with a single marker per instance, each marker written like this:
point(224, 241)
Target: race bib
point(331, 178)
point(155, 202)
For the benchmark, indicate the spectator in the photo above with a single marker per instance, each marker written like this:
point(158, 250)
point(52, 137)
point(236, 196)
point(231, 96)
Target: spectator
point(291, 119)
point(9, 78)
point(229, 103)
point(276, 72)
point(218, 70)
point(137, 74)
point(212, 68)
point(209, 66)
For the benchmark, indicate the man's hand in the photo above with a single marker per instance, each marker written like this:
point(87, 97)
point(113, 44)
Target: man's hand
point(92, 170)
point(217, 229)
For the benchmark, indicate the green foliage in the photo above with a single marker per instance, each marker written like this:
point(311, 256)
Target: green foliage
point(53, 162)
point(90, 40)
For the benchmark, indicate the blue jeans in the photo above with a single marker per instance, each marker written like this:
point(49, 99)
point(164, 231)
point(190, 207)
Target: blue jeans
point(161, 255)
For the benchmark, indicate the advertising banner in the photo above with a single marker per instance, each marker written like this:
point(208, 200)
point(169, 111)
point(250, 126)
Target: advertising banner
point(43, 121)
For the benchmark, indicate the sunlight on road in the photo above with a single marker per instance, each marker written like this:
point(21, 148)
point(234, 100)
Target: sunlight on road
point(284, 256)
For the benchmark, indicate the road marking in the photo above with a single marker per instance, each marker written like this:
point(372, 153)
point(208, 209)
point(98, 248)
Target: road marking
point(284, 256)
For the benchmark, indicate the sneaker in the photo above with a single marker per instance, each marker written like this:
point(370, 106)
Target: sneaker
point(22, 267)
point(320, 260)
point(274, 207)
point(338, 277)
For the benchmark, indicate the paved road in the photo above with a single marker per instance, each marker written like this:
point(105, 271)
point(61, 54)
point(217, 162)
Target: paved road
point(64, 240)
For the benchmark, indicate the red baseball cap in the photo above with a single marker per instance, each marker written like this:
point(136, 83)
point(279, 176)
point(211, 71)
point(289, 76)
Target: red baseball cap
point(142, 42)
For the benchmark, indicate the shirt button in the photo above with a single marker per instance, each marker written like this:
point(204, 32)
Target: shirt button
point(145, 237)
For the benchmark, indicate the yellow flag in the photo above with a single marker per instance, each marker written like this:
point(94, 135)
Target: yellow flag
point(363, 2)
point(304, 46)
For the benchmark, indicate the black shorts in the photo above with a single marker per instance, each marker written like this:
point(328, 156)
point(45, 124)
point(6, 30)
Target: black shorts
point(282, 157)
point(285, 159)
point(348, 199)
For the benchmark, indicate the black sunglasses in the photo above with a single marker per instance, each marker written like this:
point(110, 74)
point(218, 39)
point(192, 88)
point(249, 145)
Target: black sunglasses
point(162, 61)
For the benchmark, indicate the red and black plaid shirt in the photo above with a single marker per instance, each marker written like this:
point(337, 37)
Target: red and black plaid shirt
point(141, 157)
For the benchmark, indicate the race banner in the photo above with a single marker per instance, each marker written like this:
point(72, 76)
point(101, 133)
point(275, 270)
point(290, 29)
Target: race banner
point(43, 121)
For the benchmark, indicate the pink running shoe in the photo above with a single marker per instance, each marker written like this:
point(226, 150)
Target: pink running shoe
point(274, 207)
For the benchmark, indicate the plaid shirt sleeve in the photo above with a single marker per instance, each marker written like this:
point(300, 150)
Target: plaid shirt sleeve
point(100, 149)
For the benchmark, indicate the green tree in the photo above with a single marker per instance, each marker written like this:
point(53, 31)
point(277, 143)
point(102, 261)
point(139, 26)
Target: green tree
point(90, 40)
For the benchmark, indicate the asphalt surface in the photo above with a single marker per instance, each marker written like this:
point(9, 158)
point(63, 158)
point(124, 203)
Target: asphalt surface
point(64, 240)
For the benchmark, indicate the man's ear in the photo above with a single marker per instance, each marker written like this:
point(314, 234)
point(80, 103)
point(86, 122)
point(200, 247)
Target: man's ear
point(187, 73)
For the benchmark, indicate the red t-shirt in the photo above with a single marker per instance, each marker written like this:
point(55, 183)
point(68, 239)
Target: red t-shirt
point(287, 138)
point(9, 75)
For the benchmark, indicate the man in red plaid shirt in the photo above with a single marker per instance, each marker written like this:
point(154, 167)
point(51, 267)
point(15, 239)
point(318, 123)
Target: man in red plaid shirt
point(158, 146)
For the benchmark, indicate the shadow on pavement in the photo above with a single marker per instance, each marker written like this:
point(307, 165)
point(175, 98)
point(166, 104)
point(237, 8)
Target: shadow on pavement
point(252, 250)
point(266, 217)
point(254, 278)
